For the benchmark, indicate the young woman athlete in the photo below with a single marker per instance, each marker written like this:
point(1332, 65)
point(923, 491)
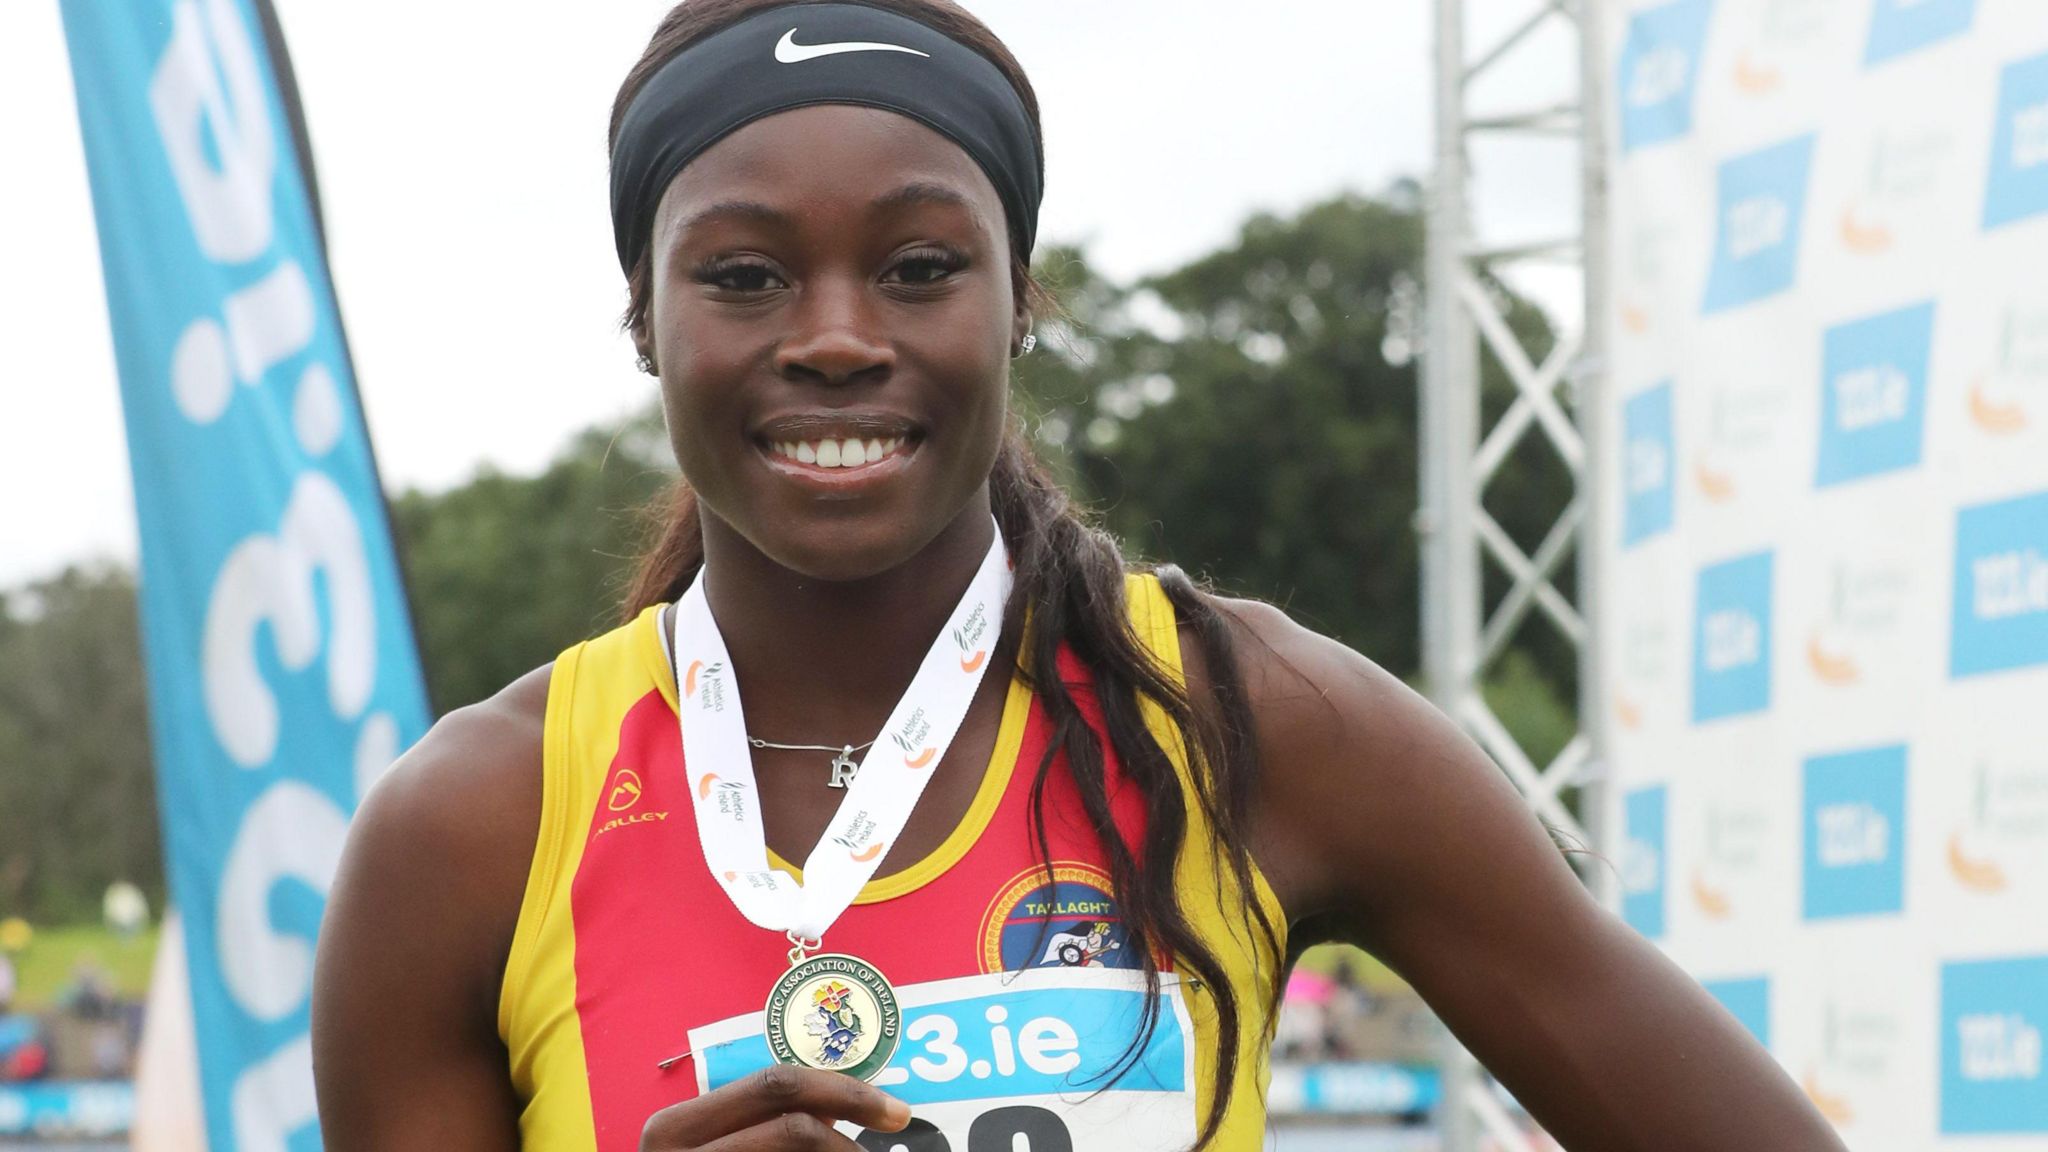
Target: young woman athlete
point(1096, 812)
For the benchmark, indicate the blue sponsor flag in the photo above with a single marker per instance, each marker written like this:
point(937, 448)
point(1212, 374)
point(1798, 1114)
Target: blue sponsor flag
point(1873, 398)
point(1648, 462)
point(1643, 856)
point(1999, 616)
point(1731, 660)
point(1660, 72)
point(2018, 185)
point(1993, 1013)
point(1854, 859)
point(1749, 1001)
point(1760, 202)
point(282, 669)
point(1898, 27)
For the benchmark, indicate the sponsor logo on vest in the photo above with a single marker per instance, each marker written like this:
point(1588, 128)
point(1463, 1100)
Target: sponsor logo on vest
point(626, 790)
point(628, 821)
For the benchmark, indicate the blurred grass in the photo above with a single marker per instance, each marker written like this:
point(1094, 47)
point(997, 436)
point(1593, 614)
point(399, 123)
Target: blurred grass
point(44, 968)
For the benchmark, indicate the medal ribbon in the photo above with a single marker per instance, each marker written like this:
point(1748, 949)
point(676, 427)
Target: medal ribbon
point(892, 774)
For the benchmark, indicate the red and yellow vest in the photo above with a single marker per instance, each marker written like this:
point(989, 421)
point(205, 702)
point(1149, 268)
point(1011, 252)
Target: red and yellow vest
point(1018, 996)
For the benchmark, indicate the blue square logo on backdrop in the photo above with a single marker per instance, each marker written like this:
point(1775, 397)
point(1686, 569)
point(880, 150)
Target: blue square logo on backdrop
point(1760, 199)
point(1854, 826)
point(1993, 1013)
point(1731, 650)
point(2018, 187)
point(1749, 1001)
point(2000, 618)
point(1873, 394)
point(1901, 26)
point(1643, 860)
point(1660, 65)
point(1646, 464)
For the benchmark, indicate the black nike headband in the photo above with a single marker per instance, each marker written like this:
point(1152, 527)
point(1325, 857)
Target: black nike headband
point(802, 54)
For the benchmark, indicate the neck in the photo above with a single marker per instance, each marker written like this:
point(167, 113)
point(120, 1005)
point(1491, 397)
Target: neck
point(825, 661)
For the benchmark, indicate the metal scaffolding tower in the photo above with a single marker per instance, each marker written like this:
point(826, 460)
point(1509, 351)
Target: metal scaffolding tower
point(1558, 399)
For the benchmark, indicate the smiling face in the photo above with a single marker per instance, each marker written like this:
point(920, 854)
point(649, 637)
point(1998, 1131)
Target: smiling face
point(832, 313)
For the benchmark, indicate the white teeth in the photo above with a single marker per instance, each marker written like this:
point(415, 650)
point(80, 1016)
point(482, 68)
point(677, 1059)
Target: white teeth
point(848, 453)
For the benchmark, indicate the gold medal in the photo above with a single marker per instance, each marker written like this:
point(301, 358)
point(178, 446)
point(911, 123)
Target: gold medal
point(834, 1012)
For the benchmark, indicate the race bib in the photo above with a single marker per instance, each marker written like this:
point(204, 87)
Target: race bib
point(1014, 1062)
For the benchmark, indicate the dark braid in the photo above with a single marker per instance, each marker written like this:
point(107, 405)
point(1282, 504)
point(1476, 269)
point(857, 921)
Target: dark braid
point(1070, 575)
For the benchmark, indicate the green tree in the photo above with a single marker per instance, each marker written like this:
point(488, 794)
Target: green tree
point(1253, 416)
point(506, 571)
point(77, 799)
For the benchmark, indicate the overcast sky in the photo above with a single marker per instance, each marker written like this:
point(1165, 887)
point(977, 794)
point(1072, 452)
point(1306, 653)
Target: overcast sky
point(461, 159)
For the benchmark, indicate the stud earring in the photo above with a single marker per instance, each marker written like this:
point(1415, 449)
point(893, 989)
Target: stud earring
point(645, 364)
point(1030, 341)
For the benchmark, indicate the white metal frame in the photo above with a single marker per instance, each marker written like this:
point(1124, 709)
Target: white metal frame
point(1460, 643)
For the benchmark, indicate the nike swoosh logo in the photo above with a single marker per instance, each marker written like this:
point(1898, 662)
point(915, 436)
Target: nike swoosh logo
point(788, 51)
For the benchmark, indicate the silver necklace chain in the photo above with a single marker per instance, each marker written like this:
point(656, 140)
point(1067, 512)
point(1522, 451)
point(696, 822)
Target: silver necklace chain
point(844, 766)
point(757, 742)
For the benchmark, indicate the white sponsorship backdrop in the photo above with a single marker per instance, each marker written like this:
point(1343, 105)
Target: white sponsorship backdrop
point(1828, 618)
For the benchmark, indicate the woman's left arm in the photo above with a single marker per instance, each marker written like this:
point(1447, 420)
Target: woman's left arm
point(1380, 823)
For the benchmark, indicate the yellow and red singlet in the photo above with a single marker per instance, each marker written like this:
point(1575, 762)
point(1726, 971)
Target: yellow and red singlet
point(1019, 997)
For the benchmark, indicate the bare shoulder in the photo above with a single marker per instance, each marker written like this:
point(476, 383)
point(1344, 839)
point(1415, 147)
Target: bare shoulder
point(412, 953)
point(442, 844)
point(1362, 783)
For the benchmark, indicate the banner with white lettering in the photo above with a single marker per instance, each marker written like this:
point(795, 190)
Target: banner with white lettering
point(1828, 625)
point(282, 670)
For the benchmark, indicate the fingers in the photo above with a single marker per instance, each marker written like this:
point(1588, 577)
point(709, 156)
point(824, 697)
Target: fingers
point(798, 1099)
point(791, 1132)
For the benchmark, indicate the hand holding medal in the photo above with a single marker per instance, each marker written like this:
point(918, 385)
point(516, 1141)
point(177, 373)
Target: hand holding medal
point(777, 1107)
point(830, 1011)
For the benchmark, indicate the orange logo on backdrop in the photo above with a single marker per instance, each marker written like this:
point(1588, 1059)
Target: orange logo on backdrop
point(1980, 875)
point(1993, 417)
point(1835, 1108)
point(626, 790)
point(1830, 668)
point(1714, 905)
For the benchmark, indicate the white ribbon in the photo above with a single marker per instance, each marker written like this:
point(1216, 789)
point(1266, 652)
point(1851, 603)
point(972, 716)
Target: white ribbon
point(892, 774)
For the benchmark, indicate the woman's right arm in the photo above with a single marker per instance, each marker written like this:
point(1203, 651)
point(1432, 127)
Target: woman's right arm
point(406, 1052)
